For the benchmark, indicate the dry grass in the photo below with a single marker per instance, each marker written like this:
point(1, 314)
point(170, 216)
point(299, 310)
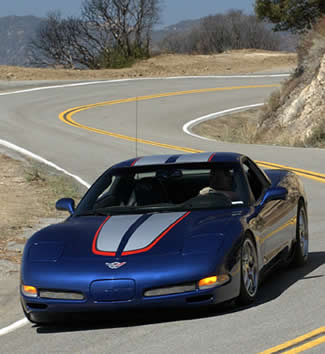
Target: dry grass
point(238, 127)
point(232, 62)
point(28, 194)
point(242, 127)
point(317, 138)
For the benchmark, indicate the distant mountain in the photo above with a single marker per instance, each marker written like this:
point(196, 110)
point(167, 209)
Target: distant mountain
point(182, 26)
point(15, 34)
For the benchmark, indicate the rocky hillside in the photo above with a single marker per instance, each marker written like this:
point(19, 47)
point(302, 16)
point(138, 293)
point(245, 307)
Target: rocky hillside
point(295, 115)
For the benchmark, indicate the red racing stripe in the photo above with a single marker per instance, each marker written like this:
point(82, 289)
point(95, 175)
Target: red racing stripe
point(134, 162)
point(152, 244)
point(211, 157)
point(94, 248)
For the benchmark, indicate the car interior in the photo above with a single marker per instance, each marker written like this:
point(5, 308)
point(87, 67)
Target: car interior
point(174, 186)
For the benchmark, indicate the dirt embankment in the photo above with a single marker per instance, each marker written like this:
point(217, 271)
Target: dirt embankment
point(302, 121)
point(28, 195)
point(295, 115)
point(232, 62)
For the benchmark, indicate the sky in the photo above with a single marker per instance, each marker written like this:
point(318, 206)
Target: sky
point(173, 10)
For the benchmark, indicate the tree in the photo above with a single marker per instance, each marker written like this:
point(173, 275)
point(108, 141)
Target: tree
point(110, 33)
point(294, 15)
point(221, 32)
point(130, 22)
point(64, 42)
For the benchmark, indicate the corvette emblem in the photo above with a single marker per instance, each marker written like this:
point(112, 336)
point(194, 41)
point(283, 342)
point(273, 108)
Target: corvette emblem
point(115, 265)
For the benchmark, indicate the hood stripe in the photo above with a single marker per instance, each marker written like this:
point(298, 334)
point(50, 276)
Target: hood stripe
point(124, 235)
point(134, 227)
point(111, 233)
point(155, 240)
point(94, 248)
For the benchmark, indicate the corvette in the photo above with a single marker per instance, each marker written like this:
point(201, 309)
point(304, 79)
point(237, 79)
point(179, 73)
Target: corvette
point(166, 231)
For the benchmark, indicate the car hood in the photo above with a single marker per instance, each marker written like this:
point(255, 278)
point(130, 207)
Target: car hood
point(124, 236)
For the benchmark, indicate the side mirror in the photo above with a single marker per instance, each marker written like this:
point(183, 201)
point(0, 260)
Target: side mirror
point(278, 193)
point(65, 204)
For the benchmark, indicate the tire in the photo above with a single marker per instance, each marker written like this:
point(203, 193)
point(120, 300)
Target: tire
point(300, 251)
point(249, 278)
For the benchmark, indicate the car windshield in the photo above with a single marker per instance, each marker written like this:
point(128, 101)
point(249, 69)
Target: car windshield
point(165, 188)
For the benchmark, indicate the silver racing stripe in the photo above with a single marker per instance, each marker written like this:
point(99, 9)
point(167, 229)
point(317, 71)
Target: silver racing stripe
point(152, 160)
point(145, 234)
point(201, 157)
point(113, 231)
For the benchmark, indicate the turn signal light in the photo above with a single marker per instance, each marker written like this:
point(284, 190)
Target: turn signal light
point(210, 282)
point(29, 291)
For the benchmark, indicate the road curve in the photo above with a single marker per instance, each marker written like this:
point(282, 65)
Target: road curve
point(290, 304)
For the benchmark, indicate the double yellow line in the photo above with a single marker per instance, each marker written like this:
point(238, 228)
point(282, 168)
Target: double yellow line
point(300, 344)
point(319, 177)
point(67, 115)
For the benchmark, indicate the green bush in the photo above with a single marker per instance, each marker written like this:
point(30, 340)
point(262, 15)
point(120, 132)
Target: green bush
point(117, 58)
point(317, 139)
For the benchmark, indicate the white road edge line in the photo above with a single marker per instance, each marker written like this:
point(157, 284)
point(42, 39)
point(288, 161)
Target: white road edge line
point(14, 326)
point(42, 160)
point(7, 144)
point(140, 79)
point(187, 128)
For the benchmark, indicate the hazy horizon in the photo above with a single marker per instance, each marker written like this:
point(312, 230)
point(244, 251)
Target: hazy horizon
point(173, 10)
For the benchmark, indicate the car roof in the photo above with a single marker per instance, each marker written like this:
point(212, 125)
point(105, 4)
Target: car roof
point(217, 157)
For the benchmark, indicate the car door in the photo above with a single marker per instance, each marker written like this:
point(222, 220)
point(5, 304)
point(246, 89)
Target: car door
point(271, 218)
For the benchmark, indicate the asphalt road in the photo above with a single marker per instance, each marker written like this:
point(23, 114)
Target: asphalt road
point(290, 303)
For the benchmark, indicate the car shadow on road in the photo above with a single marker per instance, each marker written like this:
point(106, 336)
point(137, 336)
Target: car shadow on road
point(272, 287)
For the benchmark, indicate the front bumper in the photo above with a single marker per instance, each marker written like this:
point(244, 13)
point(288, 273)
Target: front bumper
point(219, 294)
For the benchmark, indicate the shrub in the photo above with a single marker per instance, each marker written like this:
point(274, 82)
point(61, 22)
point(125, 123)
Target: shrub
point(317, 138)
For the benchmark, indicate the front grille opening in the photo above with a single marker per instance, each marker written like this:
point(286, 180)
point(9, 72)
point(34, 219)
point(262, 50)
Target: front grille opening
point(37, 306)
point(171, 290)
point(201, 298)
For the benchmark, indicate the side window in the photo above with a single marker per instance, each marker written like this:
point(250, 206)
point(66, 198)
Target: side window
point(253, 180)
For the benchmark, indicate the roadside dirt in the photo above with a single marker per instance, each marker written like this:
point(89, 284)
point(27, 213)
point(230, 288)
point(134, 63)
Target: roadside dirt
point(28, 195)
point(239, 127)
point(232, 62)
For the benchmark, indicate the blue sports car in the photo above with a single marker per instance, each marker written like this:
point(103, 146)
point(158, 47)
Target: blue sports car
point(163, 231)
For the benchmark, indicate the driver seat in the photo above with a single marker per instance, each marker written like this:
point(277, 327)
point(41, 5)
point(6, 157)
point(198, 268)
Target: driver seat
point(149, 191)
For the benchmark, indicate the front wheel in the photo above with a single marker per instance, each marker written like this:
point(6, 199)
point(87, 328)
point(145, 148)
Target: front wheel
point(249, 272)
point(300, 252)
